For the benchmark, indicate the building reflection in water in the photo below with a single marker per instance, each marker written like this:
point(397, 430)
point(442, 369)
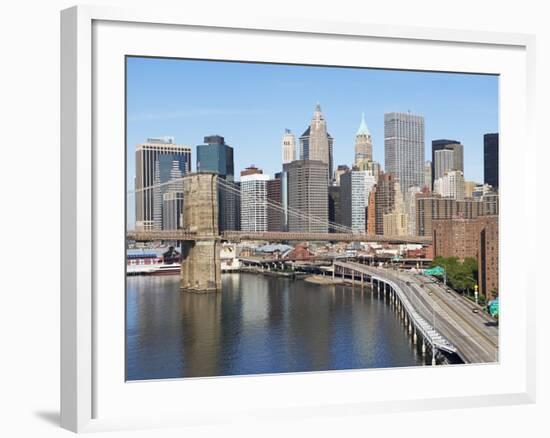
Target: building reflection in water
point(258, 324)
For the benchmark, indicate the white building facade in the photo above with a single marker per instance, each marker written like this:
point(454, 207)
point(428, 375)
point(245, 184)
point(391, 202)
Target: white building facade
point(288, 147)
point(355, 188)
point(254, 202)
point(451, 185)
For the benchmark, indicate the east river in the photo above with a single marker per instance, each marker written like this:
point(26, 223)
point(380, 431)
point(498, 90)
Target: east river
point(258, 324)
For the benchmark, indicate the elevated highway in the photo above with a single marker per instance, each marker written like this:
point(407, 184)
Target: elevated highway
point(474, 335)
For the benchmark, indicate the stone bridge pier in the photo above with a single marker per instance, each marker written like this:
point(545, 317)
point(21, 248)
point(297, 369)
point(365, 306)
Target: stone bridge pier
point(200, 258)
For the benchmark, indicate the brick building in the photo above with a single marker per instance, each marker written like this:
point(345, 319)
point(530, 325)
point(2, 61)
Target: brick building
point(476, 238)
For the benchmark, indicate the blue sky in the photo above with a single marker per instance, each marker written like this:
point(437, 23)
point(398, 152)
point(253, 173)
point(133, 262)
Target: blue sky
point(252, 104)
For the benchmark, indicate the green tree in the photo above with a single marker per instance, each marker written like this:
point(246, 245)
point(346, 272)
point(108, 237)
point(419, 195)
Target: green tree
point(461, 276)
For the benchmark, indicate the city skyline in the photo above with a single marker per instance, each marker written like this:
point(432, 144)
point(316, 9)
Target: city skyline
point(255, 118)
point(151, 113)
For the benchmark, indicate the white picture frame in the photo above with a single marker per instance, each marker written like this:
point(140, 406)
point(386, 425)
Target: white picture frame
point(92, 395)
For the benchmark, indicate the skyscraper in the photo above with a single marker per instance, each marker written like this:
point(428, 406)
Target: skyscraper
point(458, 155)
point(355, 188)
point(444, 162)
point(334, 208)
point(316, 143)
point(384, 201)
point(155, 161)
point(288, 147)
point(404, 148)
point(395, 222)
point(274, 197)
point(490, 160)
point(216, 156)
point(254, 202)
point(172, 201)
point(363, 143)
point(307, 196)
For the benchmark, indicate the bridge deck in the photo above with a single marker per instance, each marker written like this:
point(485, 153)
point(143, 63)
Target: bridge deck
point(273, 236)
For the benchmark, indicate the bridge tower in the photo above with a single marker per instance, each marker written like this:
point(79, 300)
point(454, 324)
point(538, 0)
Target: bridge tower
point(200, 258)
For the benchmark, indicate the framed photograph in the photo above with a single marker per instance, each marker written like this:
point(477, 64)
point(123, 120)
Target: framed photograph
point(277, 219)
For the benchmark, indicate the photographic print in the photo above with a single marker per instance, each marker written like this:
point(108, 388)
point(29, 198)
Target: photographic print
point(297, 218)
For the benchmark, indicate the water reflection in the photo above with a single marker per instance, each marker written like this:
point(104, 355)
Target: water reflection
point(258, 325)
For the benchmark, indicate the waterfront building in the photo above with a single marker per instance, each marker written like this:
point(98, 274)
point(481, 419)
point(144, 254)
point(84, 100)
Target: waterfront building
point(363, 143)
point(450, 185)
point(404, 148)
point(477, 238)
point(254, 211)
point(355, 188)
point(428, 175)
point(490, 160)
point(316, 143)
point(307, 196)
point(274, 208)
point(155, 161)
point(458, 156)
point(288, 147)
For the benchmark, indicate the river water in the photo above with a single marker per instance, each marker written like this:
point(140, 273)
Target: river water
point(258, 324)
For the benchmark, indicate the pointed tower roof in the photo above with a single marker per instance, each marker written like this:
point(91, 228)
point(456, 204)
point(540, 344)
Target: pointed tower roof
point(318, 114)
point(363, 128)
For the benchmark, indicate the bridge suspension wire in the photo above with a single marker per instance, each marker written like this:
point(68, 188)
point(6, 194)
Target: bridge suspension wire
point(228, 187)
point(172, 181)
point(295, 213)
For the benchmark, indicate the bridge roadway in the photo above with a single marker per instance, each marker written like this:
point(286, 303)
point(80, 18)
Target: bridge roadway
point(273, 236)
point(474, 335)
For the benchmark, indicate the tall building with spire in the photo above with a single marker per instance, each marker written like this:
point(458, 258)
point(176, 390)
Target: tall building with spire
point(288, 147)
point(363, 143)
point(316, 143)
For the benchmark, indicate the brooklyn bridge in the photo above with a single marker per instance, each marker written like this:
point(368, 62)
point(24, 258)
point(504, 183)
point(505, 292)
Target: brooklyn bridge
point(200, 237)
